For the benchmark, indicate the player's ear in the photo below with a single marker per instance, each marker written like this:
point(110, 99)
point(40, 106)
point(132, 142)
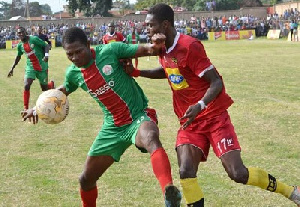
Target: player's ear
point(165, 24)
point(88, 43)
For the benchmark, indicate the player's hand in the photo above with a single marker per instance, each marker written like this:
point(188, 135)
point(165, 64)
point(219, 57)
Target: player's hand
point(46, 59)
point(127, 65)
point(190, 115)
point(158, 43)
point(31, 115)
point(10, 73)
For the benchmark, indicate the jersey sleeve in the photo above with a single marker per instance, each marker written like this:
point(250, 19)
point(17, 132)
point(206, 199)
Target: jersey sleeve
point(123, 50)
point(19, 47)
point(69, 81)
point(197, 59)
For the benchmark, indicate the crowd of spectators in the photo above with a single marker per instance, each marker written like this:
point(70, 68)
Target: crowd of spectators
point(195, 26)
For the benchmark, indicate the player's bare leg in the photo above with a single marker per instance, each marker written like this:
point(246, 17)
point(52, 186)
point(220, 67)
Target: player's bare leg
point(236, 170)
point(94, 168)
point(189, 158)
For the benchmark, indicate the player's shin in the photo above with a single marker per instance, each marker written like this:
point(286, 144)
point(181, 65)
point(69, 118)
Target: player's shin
point(161, 167)
point(192, 192)
point(260, 178)
point(89, 197)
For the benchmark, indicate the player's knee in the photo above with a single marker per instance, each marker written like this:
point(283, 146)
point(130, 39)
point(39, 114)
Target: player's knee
point(152, 138)
point(85, 183)
point(239, 175)
point(187, 173)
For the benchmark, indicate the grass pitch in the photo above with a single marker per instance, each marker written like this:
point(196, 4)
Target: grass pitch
point(40, 165)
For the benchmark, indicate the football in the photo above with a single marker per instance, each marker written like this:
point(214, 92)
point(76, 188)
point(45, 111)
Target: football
point(52, 106)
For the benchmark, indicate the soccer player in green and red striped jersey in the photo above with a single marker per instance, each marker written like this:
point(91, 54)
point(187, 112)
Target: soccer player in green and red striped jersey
point(37, 53)
point(127, 118)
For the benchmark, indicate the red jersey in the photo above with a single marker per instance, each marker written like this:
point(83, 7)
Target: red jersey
point(185, 64)
point(116, 37)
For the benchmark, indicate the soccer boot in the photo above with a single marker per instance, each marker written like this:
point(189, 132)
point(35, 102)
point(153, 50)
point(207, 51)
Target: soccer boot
point(295, 196)
point(172, 196)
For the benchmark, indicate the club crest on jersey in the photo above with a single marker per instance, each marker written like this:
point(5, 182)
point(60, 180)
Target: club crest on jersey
point(174, 60)
point(177, 80)
point(107, 69)
point(32, 45)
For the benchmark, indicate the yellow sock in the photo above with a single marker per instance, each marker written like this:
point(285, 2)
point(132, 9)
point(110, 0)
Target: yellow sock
point(260, 178)
point(191, 190)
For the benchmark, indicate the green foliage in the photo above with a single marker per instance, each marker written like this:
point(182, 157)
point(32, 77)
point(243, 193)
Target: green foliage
point(73, 6)
point(90, 7)
point(17, 8)
point(46, 9)
point(35, 9)
point(5, 10)
point(200, 5)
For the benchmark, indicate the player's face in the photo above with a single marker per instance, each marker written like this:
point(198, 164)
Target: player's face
point(21, 34)
point(153, 25)
point(78, 53)
point(111, 30)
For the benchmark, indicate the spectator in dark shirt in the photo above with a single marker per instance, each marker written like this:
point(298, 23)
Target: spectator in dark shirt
point(43, 36)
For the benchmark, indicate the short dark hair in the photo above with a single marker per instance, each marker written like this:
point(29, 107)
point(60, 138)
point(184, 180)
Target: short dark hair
point(74, 34)
point(22, 29)
point(162, 12)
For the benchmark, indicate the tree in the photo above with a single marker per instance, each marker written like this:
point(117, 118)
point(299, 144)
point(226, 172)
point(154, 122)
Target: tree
point(5, 10)
point(90, 7)
point(73, 6)
point(46, 9)
point(17, 8)
point(35, 9)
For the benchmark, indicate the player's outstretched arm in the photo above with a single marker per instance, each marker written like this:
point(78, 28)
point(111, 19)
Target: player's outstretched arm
point(157, 73)
point(11, 72)
point(155, 48)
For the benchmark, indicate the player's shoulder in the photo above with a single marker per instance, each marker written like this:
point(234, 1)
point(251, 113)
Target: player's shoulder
point(188, 40)
point(33, 37)
point(72, 69)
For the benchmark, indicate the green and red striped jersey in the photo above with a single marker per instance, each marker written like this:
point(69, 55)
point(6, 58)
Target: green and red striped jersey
point(34, 50)
point(119, 96)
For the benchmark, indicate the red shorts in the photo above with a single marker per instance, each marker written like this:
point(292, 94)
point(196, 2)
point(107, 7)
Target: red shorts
point(217, 132)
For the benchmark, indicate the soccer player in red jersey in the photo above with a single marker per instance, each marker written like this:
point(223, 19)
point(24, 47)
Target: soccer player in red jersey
point(37, 53)
point(201, 102)
point(112, 35)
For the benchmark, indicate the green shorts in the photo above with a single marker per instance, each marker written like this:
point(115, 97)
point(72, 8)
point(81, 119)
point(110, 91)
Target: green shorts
point(113, 141)
point(42, 76)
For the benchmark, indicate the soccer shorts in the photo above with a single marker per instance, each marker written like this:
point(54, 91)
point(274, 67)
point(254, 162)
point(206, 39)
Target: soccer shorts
point(113, 141)
point(42, 76)
point(217, 132)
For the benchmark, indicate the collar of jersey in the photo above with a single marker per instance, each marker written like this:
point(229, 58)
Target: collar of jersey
point(92, 60)
point(111, 34)
point(174, 43)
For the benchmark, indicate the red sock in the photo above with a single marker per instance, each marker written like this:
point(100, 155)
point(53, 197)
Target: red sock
point(89, 197)
point(50, 85)
point(26, 95)
point(161, 167)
